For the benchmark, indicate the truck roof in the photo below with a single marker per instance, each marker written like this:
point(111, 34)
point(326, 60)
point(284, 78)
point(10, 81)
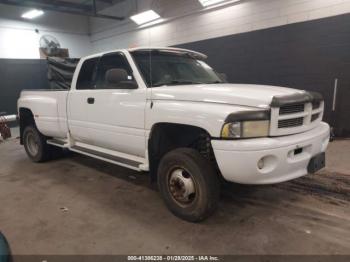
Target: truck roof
point(164, 49)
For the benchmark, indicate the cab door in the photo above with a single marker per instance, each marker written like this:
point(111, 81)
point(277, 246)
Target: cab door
point(112, 114)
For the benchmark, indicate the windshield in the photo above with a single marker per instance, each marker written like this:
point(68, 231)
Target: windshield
point(169, 68)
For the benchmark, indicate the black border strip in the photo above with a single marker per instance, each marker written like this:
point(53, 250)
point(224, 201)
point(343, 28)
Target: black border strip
point(107, 156)
point(248, 115)
point(298, 98)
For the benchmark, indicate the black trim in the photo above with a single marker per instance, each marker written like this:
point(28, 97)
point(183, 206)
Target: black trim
point(316, 163)
point(317, 97)
point(248, 116)
point(38, 90)
point(186, 52)
point(298, 98)
point(107, 156)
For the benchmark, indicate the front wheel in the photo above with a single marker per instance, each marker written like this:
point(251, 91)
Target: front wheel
point(188, 184)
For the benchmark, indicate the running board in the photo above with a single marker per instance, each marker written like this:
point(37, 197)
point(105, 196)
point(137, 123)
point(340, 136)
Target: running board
point(56, 142)
point(135, 165)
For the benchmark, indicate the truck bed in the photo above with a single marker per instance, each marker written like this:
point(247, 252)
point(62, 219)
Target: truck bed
point(49, 110)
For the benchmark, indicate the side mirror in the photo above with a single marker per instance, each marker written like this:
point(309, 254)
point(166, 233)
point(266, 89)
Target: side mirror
point(120, 78)
point(223, 77)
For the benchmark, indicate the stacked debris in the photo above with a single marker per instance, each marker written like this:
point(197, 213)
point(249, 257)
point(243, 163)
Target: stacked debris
point(5, 131)
point(61, 71)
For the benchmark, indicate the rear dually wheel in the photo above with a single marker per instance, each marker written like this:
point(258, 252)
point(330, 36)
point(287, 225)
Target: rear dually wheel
point(35, 145)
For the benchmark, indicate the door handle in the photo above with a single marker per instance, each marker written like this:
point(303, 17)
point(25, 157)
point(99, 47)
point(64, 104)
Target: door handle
point(91, 100)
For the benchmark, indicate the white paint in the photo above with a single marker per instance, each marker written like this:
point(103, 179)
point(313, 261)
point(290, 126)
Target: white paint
point(186, 21)
point(170, 100)
point(18, 38)
point(49, 111)
point(238, 160)
point(206, 106)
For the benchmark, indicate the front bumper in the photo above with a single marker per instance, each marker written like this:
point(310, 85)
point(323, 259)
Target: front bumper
point(281, 158)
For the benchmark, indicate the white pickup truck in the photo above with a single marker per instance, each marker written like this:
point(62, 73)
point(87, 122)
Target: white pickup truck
point(166, 111)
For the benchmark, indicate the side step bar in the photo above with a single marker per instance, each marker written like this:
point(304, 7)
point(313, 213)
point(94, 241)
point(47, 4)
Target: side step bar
point(56, 142)
point(121, 161)
point(135, 165)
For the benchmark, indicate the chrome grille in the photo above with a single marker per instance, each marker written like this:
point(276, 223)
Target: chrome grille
point(292, 109)
point(293, 122)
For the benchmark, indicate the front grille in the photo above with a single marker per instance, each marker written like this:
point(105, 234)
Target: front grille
point(314, 117)
point(293, 122)
point(295, 117)
point(292, 109)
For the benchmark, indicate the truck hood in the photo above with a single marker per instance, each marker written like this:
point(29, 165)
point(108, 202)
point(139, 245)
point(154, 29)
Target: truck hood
point(235, 94)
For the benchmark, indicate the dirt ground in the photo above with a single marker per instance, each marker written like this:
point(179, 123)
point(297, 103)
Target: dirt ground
point(77, 205)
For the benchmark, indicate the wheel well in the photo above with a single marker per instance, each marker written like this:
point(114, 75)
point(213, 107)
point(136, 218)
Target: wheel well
point(166, 137)
point(26, 118)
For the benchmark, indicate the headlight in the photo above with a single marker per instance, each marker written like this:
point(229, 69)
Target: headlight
point(255, 125)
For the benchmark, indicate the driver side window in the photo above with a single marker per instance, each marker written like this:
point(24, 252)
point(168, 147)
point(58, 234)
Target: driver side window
point(106, 71)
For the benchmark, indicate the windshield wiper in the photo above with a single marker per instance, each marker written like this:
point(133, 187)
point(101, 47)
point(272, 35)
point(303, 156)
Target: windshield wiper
point(177, 82)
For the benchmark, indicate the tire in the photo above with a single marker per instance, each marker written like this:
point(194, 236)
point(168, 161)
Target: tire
point(188, 184)
point(35, 145)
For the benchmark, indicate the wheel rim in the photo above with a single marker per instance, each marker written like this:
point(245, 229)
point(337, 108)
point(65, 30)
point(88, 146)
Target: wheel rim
point(32, 144)
point(182, 186)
